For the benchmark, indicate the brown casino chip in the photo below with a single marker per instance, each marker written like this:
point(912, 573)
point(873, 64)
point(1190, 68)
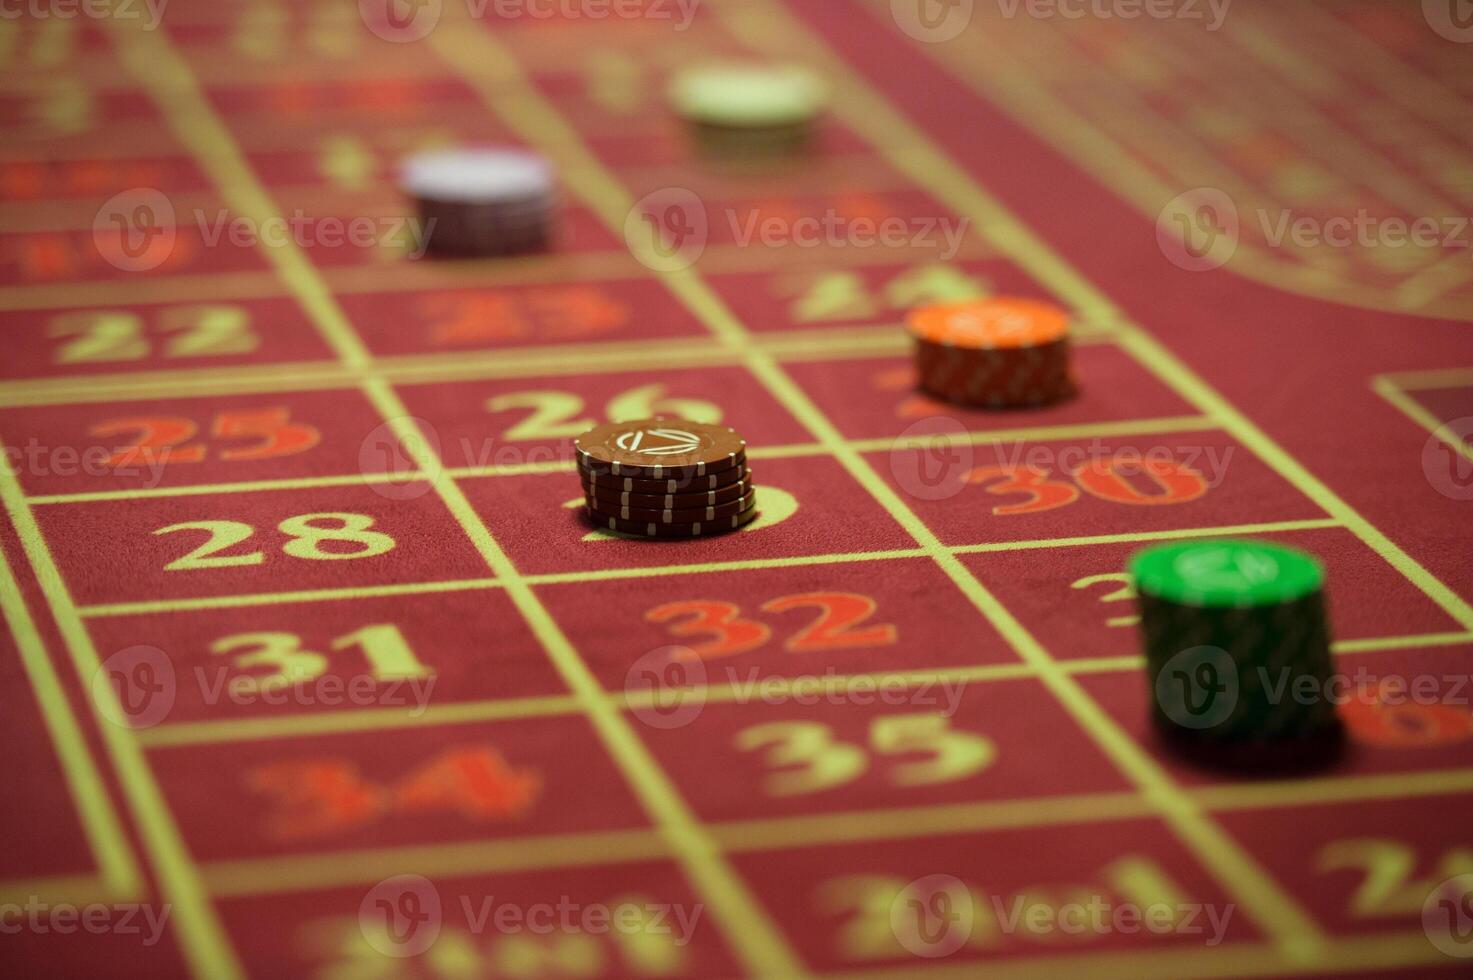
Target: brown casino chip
point(655, 529)
point(999, 352)
point(602, 484)
point(659, 449)
point(701, 515)
point(672, 501)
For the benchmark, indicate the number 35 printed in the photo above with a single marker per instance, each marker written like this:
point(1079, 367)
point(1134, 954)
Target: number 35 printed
point(804, 757)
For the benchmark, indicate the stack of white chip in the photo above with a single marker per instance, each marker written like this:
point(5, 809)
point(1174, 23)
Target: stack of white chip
point(482, 201)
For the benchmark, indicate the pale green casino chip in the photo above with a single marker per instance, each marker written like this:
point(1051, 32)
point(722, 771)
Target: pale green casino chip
point(737, 95)
point(1226, 574)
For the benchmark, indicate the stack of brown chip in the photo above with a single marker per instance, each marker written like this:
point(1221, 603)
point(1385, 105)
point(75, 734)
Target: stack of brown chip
point(666, 478)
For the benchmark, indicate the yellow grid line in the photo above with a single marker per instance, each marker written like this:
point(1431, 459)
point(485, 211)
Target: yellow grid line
point(1429, 380)
point(169, 81)
point(1347, 955)
point(1188, 385)
point(1172, 425)
point(1388, 389)
point(264, 875)
point(174, 734)
point(656, 571)
point(1332, 523)
point(736, 911)
point(311, 872)
point(104, 834)
point(200, 933)
point(828, 343)
point(555, 269)
point(1076, 134)
point(214, 732)
point(61, 889)
point(865, 110)
point(1367, 61)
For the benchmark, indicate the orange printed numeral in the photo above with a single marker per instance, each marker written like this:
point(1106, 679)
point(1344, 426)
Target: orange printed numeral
point(1404, 723)
point(1108, 479)
point(1043, 493)
point(162, 438)
point(316, 798)
point(477, 783)
point(835, 627)
point(278, 435)
point(326, 796)
point(554, 311)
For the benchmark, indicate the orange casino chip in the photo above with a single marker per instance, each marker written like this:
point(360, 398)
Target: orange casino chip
point(1000, 322)
point(1002, 352)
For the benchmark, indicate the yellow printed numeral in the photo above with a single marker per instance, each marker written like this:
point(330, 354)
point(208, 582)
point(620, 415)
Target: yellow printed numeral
point(306, 540)
point(556, 414)
point(807, 759)
point(837, 296)
point(869, 934)
point(1387, 888)
point(205, 330)
point(1126, 593)
point(208, 331)
point(388, 654)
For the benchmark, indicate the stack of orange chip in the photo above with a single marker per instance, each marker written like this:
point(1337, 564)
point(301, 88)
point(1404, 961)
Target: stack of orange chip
point(1001, 352)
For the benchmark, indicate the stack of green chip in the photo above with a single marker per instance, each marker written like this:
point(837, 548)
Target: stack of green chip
point(1237, 646)
point(741, 108)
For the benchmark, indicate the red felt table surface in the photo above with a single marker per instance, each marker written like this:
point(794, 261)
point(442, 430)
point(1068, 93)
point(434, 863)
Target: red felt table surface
point(314, 668)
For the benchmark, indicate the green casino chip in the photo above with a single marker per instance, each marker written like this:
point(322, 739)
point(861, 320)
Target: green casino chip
point(1227, 573)
point(1237, 648)
point(748, 96)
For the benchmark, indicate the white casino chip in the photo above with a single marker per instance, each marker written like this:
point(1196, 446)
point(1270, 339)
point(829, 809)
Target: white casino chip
point(477, 176)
